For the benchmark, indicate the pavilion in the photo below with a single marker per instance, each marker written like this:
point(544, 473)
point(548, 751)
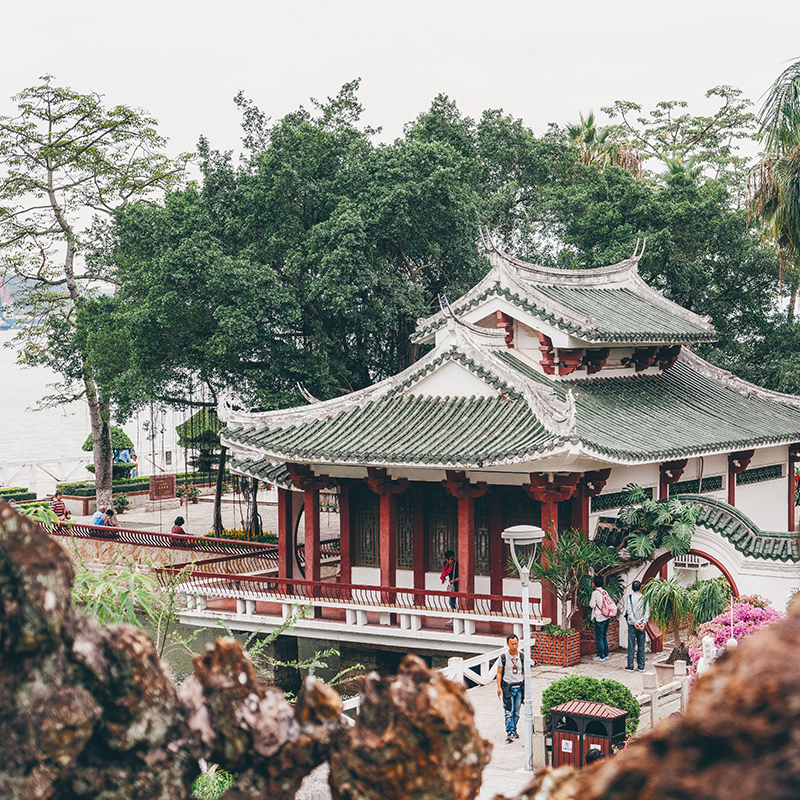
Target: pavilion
point(544, 394)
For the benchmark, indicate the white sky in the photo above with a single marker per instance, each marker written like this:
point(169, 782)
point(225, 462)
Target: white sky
point(542, 61)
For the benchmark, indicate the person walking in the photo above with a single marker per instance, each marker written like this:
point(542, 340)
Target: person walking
point(600, 620)
point(637, 613)
point(449, 576)
point(510, 685)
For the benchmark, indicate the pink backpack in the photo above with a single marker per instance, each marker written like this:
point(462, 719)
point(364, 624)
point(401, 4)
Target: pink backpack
point(608, 608)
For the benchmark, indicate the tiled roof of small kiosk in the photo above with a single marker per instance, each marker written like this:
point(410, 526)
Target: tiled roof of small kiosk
point(691, 408)
point(609, 305)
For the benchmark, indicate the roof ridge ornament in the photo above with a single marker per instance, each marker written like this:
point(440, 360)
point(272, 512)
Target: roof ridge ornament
point(307, 396)
point(636, 254)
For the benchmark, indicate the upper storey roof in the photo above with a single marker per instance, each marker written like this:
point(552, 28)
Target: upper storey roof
point(608, 305)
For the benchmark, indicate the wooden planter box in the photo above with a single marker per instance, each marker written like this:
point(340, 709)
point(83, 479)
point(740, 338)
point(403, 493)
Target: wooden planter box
point(588, 640)
point(560, 651)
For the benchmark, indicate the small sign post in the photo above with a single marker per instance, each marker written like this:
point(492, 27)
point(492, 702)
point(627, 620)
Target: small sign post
point(162, 487)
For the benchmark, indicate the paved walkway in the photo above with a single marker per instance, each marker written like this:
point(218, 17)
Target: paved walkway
point(504, 773)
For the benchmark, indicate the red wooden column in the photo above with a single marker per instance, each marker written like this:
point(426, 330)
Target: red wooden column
point(304, 479)
point(386, 489)
point(497, 567)
point(418, 542)
point(670, 472)
point(345, 534)
point(459, 486)
point(285, 534)
point(739, 462)
point(550, 490)
point(590, 485)
point(794, 457)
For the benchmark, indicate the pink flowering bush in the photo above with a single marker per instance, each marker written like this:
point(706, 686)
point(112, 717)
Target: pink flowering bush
point(750, 614)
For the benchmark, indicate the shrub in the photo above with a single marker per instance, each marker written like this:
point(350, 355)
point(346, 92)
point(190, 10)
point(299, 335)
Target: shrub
point(121, 502)
point(267, 537)
point(557, 630)
point(750, 614)
point(582, 687)
point(119, 469)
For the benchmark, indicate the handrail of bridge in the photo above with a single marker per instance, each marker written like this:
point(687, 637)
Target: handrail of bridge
point(173, 541)
point(246, 563)
point(258, 587)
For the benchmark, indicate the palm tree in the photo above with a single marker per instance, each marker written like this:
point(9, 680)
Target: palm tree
point(670, 605)
point(775, 182)
point(602, 147)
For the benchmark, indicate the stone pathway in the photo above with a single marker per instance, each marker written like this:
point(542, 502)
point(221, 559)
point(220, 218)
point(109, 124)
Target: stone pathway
point(504, 773)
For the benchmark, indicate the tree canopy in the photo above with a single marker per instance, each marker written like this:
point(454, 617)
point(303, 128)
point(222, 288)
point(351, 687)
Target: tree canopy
point(300, 271)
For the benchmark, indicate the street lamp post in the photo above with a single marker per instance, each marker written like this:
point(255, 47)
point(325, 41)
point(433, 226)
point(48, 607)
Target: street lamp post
point(526, 538)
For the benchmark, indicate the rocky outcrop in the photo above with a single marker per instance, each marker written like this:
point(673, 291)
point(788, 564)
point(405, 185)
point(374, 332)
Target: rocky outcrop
point(90, 712)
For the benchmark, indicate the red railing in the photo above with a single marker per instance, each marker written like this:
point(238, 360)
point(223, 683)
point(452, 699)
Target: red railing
point(267, 588)
point(174, 541)
point(247, 563)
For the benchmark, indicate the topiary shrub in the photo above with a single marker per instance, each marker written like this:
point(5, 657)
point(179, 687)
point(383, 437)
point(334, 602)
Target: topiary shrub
point(582, 687)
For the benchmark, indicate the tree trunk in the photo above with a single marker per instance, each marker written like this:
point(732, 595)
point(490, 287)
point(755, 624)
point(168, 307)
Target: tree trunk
point(218, 493)
point(100, 416)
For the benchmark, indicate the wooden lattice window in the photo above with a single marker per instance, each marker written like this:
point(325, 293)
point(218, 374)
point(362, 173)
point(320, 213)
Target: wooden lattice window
point(482, 563)
point(760, 474)
point(366, 517)
point(405, 530)
point(442, 525)
point(713, 483)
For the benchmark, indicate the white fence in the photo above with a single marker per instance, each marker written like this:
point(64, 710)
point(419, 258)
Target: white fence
point(43, 473)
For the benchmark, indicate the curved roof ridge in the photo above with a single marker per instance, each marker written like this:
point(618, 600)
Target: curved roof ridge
point(730, 381)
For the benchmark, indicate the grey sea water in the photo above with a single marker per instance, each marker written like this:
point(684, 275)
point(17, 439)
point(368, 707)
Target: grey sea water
point(28, 435)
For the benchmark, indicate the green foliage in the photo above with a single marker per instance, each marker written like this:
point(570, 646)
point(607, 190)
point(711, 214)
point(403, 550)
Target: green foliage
point(119, 470)
point(652, 524)
point(582, 687)
point(116, 593)
point(670, 605)
point(567, 562)
point(267, 537)
point(556, 630)
point(121, 502)
point(119, 440)
point(212, 782)
point(709, 599)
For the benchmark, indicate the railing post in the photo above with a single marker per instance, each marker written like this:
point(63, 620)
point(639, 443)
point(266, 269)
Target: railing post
point(539, 733)
point(456, 663)
point(240, 605)
point(650, 685)
point(680, 675)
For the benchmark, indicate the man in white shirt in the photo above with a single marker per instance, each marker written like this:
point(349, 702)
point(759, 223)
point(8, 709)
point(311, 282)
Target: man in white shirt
point(510, 677)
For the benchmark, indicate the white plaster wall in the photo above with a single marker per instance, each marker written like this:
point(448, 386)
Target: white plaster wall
point(766, 503)
point(452, 380)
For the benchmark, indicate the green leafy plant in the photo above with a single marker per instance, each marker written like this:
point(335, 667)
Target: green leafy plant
point(212, 782)
point(566, 562)
point(652, 524)
point(187, 490)
point(582, 687)
point(121, 501)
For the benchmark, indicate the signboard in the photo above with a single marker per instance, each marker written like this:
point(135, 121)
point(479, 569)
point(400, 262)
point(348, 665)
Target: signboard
point(162, 487)
point(566, 745)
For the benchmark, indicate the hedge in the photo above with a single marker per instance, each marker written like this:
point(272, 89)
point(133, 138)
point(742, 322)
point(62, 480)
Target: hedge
point(582, 687)
point(79, 488)
point(19, 496)
point(13, 490)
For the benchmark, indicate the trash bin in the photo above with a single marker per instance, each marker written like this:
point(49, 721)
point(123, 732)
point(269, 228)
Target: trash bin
point(579, 726)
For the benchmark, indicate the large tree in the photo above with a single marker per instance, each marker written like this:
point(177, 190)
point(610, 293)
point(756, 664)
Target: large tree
point(67, 160)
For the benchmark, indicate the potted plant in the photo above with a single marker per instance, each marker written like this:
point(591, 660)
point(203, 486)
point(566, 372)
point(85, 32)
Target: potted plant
point(121, 502)
point(565, 565)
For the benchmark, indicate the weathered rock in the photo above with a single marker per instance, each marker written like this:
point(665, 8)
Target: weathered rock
point(739, 738)
point(415, 738)
point(90, 712)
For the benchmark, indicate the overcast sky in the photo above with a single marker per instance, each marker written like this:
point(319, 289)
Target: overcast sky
point(542, 61)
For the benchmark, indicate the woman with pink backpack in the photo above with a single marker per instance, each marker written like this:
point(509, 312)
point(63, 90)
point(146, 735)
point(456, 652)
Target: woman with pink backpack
point(603, 609)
